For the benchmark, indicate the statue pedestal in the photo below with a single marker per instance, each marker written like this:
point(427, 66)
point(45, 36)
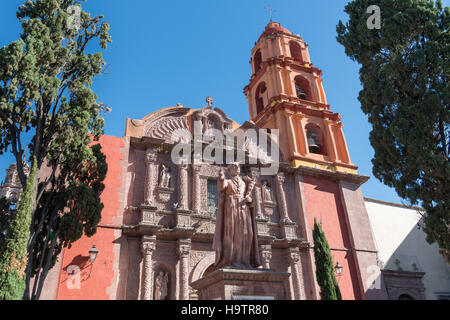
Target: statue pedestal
point(240, 284)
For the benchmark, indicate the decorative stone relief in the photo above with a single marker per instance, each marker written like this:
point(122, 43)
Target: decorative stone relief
point(266, 255)
point(169, 127)
point(212, 119)
point(255, 174)
point(165, 177)
point(183, 203)
point(279, 179)
point(297, 276)
point(268, 199)
point(161, 285)
point(196, 190)
point(148, 247)
point(150, 158)
point(184, 248)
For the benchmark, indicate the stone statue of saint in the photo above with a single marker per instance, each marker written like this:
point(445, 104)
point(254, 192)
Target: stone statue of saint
point(164, 177)
point(161, 281)
point(266, 192)
point(235, 237)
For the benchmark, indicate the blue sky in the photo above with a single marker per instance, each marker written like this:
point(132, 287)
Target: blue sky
point(169, 52)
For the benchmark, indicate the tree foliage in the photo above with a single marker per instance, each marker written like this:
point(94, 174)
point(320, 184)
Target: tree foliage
point(45, 94)
point(405, 72)
point(329, 288)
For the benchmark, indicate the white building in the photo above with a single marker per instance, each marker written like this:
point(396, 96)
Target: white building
point(412, 268)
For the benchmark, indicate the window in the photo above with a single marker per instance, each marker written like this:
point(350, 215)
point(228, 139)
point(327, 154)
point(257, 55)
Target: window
point(259, 97)
point(315, 139)
point(300, 93)
point(213, 197)
point(302, 88)
point(257, 61)
point(296, 50)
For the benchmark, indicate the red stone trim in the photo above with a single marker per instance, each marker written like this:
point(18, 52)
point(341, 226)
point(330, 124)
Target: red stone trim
point(327, 163)
point(302, 107)
point(282, 62)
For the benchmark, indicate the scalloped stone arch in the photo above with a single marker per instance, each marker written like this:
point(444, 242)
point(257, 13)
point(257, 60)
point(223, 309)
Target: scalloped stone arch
point(161, 124)
point(201, 266)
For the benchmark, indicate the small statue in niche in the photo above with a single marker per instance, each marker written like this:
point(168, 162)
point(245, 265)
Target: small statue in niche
point(266, 192)
point(164, 177)
point(161, 281)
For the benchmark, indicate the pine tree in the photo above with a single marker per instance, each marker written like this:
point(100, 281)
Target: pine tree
point(329, 289)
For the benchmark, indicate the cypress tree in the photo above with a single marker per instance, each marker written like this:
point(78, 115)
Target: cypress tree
point(329, 289)
point(50, 114)
point(405, 76)
point(13, 256)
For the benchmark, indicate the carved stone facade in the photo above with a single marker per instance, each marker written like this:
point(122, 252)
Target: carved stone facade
point(404, 285)
point(11, 187)
point(157, 217)
point(183, 218)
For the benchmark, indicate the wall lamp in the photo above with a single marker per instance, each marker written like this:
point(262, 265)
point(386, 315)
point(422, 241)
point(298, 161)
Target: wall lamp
point(92, 256)
point(338, 269)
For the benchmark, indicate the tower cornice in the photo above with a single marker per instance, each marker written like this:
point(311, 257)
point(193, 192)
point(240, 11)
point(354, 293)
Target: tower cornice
point(284, 62)
point(301, 106)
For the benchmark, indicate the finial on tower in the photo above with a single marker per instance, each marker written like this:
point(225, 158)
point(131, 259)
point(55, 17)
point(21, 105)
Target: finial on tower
point(209, 100)
point(271, 11)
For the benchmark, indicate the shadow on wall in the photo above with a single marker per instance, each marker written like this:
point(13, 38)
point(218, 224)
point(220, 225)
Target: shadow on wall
point(415, 271)
point(81, 262)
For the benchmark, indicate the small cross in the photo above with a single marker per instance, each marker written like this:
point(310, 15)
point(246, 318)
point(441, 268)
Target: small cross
point(271, 11)
point(209, 100)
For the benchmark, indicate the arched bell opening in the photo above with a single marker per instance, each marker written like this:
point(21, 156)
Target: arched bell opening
point(315, 139)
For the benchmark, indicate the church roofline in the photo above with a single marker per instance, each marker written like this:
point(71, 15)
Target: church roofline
point(393, 204)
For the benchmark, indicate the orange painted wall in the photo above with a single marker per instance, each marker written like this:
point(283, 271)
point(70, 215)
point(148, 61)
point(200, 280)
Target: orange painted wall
point(323, 202)
point(102, 275)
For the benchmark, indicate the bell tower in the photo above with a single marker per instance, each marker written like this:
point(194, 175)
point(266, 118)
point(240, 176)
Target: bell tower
point(286, 93)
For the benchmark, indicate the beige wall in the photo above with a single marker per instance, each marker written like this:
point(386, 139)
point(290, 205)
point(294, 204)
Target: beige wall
point(398, 237)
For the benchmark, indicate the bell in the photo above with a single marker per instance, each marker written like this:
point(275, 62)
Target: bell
point(300, 93)
point(312, 143)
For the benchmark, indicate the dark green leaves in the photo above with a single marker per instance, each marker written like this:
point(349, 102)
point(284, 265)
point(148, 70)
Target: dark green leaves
point(404, 72)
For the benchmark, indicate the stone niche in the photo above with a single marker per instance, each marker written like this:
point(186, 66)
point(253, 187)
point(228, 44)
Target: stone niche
point(239, 284)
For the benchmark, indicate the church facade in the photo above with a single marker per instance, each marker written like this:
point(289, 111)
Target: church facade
point(158, 222)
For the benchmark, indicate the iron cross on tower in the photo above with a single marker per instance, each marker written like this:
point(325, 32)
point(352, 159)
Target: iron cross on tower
point(271, 11)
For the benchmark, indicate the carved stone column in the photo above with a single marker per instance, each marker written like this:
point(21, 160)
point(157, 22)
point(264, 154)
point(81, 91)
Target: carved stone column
point(266, 255)
point(183, 191)
point(148, 247)
point(279, 179)
point(184, 247)
point(150, 158)
point(196, 189)
point(296, 272)
point(257, 194)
